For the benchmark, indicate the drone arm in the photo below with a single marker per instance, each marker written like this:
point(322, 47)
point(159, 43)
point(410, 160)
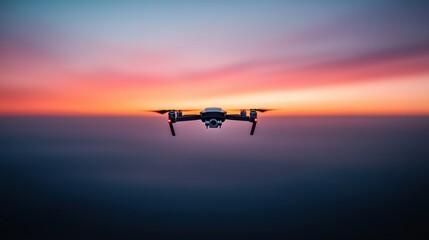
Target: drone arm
point(188, 118)
point(237, 117)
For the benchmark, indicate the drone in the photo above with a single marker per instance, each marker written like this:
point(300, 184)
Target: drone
point(212, 117)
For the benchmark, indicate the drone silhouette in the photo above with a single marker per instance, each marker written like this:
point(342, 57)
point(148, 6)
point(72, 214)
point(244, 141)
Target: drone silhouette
point(213, 117)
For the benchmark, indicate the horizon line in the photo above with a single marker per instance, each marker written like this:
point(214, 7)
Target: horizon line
point(159, 115)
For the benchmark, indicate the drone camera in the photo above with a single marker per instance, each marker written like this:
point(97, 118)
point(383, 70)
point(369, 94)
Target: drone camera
point(213, 123)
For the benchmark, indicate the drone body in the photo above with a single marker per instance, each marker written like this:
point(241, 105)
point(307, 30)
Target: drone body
point(212, 117)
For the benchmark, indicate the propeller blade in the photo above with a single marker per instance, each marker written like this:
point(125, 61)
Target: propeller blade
point(189, 110)
point(236, 109)
point(264, 109)
point(256, 109)
point(159, 111)
point(164, 111)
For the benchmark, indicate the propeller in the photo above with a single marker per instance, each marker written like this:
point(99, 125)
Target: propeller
point(164, 111)
point(262, 110)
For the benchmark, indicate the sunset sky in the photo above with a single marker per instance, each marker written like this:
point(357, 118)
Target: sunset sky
point(304, 57)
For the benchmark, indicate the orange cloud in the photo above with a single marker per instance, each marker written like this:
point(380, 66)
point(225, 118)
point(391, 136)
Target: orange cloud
point(32, 82)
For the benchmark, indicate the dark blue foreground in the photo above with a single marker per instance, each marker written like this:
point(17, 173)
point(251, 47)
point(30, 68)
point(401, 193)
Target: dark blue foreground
point(297, 177)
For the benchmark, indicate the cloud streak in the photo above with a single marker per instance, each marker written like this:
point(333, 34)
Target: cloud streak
point(49, 62)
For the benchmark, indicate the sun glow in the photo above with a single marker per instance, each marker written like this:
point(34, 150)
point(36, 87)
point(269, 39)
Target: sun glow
point(396, 96)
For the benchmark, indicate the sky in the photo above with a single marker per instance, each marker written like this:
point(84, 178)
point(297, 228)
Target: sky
point(303, 57)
